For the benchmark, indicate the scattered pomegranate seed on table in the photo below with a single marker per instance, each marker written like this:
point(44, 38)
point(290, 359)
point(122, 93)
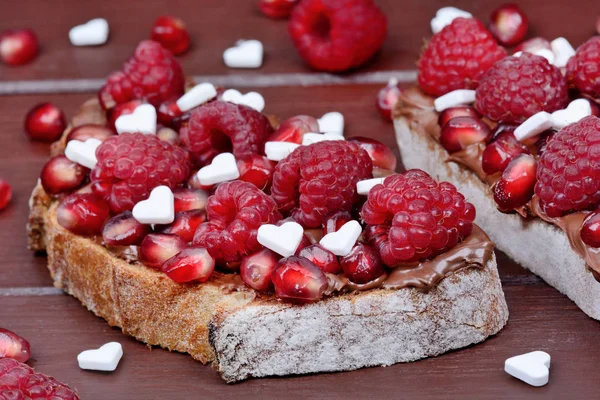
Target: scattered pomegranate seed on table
point(61, 175)
point(45, 122)
point(257, 269)
point(13, 346)
point(515, 187)
point(18, 46)
point(192, 264)
point(509, 24)
point(388, 97)
point(5, 194)
point(534, 45)
point(277, 8)
point(172, 34)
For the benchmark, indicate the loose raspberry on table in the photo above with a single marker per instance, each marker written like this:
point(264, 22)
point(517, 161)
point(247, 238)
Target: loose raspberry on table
point(337, 35)
point(411, 217)
point(235, 212)
point(457, 57)
point(132, 164)
point(151, 74)
point(318, 179)
point(220, 126)
point(569, 169)
point(516, 88)
point(583, 69)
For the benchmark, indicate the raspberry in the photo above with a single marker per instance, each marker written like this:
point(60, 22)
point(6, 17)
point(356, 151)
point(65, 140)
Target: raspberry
point(221, 126)
point(515, 88)
point(583, 69)
point(235, 212)
point(318, 179)
point(152, 74)
point(337, 35)
point(569, 169)
point(412, 218)
point(132, 164)
point(20, 381)
point(457, 57)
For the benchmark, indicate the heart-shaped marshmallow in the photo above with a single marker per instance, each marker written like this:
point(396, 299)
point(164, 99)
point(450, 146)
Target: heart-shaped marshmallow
point(92, 33)
point(532, 368)
point(445, 16)
point(311, 137)
point(562, 50)
point(106, 358)
point(575, 111)
point(332, 122)
point(364, 187)
point(547, 54)
point(283, 240)
point(223, 168)
point(197, 95)
point(341, 242)
point(143, 119)
point(83, 153)
point(277, 151)
point(534, 125)
point(250, 99)
point(455, 98)
point(159, 208)
point(245, 54)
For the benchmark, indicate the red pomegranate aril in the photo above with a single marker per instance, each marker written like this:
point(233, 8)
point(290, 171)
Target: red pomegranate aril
point(184, 225)
point(172, 34)
point(45, 122)
point(85, 132)
point(294, 128)
point(122, 109)
point(515, 187)
point(189, 265)
point(454, 112)
point(381, 155)
point(61, 175)
point(362, 265)
point(322, 258)
point(508, 24)
point(277, 8)
point(167, 112)
point(13, 346)
point(156, 248)
point(534, 45)
point(18, 46)
point(124, 230)
point(256, 169)
point(500, 152)
point(387, 98)
point(5, 194)
point(83, 213)
point(334, 221)
point(189, 199)
point(298, 280)
point(461, 132)
point(501, 129)
point(168, 135)
point(590, 231)
point(257, 269)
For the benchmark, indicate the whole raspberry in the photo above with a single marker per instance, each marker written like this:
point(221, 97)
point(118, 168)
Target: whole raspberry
point(583, 69)
point(337, 35)
point(132, 164)
point(457, 57)
point(235, 212)
point(318, 179)
point(20, 381)
point(515, 88)
point(220, 126)
point(569, 169)
point(411, 217)
point(152, 74)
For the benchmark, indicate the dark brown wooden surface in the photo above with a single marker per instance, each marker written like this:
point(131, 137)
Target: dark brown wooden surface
point(58, 327)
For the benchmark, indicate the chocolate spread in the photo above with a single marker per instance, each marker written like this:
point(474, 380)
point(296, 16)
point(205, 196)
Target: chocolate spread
point(470, 157)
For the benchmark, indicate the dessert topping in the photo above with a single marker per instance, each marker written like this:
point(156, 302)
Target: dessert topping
point(61, 175)
point(445, 15)
point(251, 99)
point(332, 122)
point(158, 208)
point(563, 51)
point(196, 96)
point(156, 248)
point(189, 265)
point(83, 153)
point(458, 97)
point(277, 151)
point(581, 72)
point(532, 368)
point(92, 33)
point(245, 54)
point(142, 119)
point(508, 24)
point(515, 187)
point(343, 240)
point(310, 138)
point(283, 239)
point(298, 280)
point(222, 168)
point(105, 358)
point(364, 187)
point(257, 269)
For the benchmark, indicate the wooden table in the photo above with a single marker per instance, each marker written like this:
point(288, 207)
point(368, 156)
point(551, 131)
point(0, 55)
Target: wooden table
point(58, 327)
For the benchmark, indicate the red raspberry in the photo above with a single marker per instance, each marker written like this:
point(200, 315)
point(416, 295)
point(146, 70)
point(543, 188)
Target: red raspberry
point(20, 381)
point(412, 218)
point(318, 179)
point(337, 35)
point(515, 88)
point(132, 164)
point(235, 212)
point(457, 57)
point(152, 74)
point(583, 69)
point(220, 126)
point(568, 170)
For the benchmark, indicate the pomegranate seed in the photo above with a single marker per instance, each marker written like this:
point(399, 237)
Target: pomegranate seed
point(387, 99)
point(298, 280)
point(515, 188)
point(18, 46)
point(454, 112)
point(534, 45)
point(193, 264)
point(293, 129)
point(13, 346)
point(381, 155)
point(172, 34)
point(122, 109)
point(501, 129)
point(184, 225)
point(45, 122)
point(461, 132)
point(304, 243)
point(500, 152)
point(83, 214)
point(61, 175)
point(124, 230)
point(590, 232)
point(256, 169)
point(508, 24)
point(335, 220)
point(156, 248)
point(322, 258)
point(85, 132)
point(190, 199)
point(362, 265)
point(5, 194)
point(167, 112)
point(257, 269)
point(168, 135)
point(277, 8)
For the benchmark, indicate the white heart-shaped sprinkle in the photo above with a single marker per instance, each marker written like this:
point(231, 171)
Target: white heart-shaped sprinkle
point(534, 125)
point(83, 153)
point(364, 187)
point(562, 50)
point(455, 98)
point(106, 358)
point(546, 53)
point(159, 208)
point(223, 168)
point(245, 54)
point(341, 242)
point(332, 122)
point(283, 240)
point(143, 119)
point(312, 137)
point(250, 99)
point(277, 151)
point(532, 368)
point(445, 16)
point(92, 33)
point(577, 109)
point(196, 96)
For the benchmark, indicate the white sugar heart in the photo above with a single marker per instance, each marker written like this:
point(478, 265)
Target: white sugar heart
point(277, 151)
point(532, 368)
point(534, 125)
point(455, 98)
point(332, 122)
point(143, 119)
point(576, 110)
point(546, 53)
point(83, 153)
point(92, 33)
point(341, 242)
point(312, 137)
point(445, 16)
point(364, 187)
point(283, 240)
point(250, 99)
point(223, 168)
point(159, 208)
point(196, 96)
point(562, 50)
point(245, 54)
point(106, 358)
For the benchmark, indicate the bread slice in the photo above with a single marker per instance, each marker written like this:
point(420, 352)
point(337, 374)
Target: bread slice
point(537, 245)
